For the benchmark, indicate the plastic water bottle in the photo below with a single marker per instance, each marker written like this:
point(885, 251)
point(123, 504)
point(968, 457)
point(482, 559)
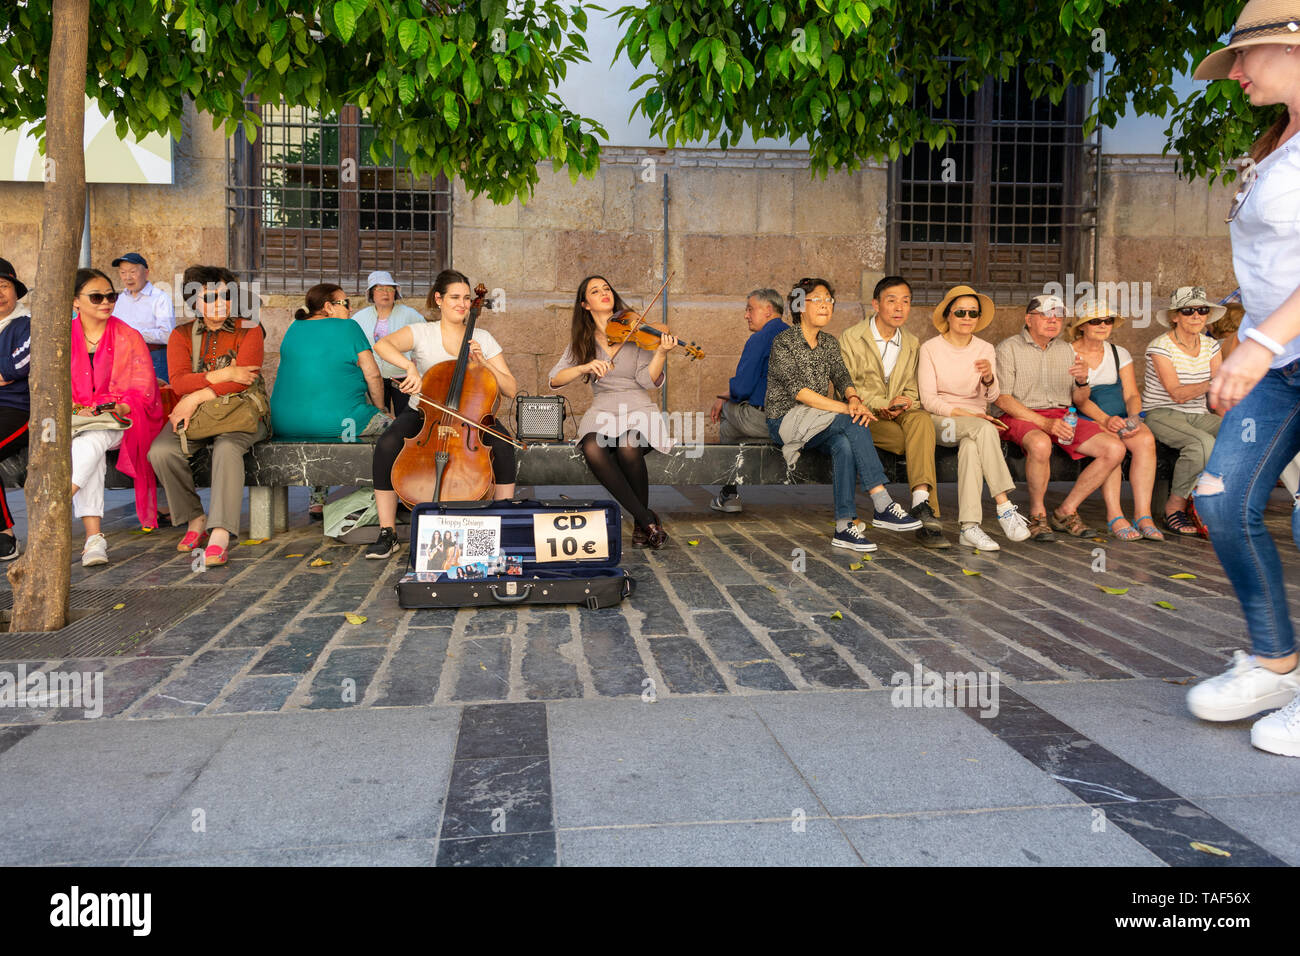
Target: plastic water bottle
point(1072, 419)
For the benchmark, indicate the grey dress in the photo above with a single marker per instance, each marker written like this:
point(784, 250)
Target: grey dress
point(620, 401)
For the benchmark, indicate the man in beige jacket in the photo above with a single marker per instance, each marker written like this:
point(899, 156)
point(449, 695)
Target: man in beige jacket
point(882, 357)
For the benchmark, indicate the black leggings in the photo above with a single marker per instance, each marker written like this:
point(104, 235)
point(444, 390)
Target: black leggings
point(621, 469)
point(13, 439)
point(407, 425)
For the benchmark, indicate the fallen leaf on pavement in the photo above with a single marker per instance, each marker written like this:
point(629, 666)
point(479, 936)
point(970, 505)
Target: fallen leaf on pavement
point(692, 542)
point(968, 571)
point(1103, 587)
point(1183, 576)
point(293, 555)
point(320, 563)
point(252, 541)
point(837, 616)
point(356, 618)
point(1206, 848)
point(1166, 605)
point(118, 607)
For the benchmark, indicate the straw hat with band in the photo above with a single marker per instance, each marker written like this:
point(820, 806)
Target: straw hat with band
point(7, 272)
point(1189, 297)
point(1094, 310)
point(1262, 21)
point(986, 308)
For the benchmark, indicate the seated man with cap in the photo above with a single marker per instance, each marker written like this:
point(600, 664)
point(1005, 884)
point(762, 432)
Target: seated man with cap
point(882, 358)
point(145, 308)
point(384, 315)
point(1036, 374)
point(15, 401)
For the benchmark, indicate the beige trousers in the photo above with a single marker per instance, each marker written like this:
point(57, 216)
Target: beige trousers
point(979, 461)
point(174, 473)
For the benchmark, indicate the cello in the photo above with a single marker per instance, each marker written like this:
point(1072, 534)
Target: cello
point(447, 460)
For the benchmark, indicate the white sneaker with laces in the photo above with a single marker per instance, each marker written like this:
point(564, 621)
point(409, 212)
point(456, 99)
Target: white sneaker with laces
point(1014, 525)
point(974, 537)
point(1242, 691)
point(95, 551)
point(1279, 732)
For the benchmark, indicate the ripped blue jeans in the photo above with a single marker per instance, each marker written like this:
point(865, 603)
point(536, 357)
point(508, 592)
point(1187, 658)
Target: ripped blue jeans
point(1257, 440)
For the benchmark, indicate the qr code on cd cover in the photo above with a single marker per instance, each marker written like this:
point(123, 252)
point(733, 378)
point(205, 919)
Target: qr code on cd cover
point(480, 540)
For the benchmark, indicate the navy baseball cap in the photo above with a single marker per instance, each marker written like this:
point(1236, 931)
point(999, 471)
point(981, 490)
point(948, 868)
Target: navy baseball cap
point(131, 257)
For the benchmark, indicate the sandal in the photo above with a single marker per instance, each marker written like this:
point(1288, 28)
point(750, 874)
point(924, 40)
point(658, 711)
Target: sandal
point(1072, 525)
point(1152, 533)
point(1129, 533)
point(192, 540)
point(1180, 524)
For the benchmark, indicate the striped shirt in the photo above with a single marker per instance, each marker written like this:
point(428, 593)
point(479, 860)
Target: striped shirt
point(1191, 370)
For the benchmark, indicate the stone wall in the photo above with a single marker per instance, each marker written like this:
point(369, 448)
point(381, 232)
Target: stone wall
point(736, 221)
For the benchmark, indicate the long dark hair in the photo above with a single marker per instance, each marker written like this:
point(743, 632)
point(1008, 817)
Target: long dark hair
point(1271, 138)
point(582, 329)
point(318, 296)
point(84, 276)
point(444, 281)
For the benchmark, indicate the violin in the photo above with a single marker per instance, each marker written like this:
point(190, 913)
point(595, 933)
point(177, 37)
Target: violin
point(630, 326)
point(448, 461)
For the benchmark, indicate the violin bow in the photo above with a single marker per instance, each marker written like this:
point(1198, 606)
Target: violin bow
point(642, 313)
point(425, 400)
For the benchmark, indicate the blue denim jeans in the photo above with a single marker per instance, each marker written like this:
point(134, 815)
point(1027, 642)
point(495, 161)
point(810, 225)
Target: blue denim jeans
point(1256, 441)
point(853, 459)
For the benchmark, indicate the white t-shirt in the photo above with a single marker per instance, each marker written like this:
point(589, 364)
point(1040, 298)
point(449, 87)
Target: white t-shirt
point(428, 350)
point(1106, 373)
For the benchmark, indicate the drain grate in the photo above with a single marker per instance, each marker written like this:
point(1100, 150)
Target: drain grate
point(109, 631)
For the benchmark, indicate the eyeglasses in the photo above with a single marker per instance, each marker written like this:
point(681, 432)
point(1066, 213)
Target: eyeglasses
point(1104, 320)
point(1199, 310)
point(99, 298)
point(1239, 200)
point(211, 297)
point(965, 313)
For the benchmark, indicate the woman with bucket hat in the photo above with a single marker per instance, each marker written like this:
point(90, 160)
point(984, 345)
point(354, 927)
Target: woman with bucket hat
point(1179, 366)
point(957, 378)
point(1110, 397)
point(15, 402)
point(1258, 387)
point(386, 314)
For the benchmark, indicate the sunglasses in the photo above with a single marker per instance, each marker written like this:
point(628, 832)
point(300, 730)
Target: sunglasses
point(346, 303)
point(99, 298)
point(965, 313)
point(1199, 310)
point(1105, 320)
point(211, 297)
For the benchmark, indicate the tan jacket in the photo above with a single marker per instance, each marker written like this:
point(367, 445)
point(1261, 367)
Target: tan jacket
point(858, 346)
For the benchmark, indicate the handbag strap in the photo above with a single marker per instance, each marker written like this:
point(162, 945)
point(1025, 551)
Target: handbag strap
point(197, 337)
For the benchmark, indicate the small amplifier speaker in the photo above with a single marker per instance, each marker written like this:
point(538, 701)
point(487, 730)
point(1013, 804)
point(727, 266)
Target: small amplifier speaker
point(540, 417)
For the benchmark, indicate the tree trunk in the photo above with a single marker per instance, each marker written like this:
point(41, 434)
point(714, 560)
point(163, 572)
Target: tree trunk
point(42, 576)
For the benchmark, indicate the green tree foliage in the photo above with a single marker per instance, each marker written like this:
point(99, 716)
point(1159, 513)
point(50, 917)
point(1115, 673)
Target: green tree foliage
point(855, 77)
point(463, 89)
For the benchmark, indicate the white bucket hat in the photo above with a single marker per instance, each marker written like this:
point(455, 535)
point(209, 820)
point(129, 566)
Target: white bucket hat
point(382, 278)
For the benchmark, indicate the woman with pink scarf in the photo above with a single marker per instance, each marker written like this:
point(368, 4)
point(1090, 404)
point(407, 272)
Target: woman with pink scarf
point(112, 371)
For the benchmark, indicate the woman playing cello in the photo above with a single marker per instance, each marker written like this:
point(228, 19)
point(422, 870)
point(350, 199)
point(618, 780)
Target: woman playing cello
point(430, 344)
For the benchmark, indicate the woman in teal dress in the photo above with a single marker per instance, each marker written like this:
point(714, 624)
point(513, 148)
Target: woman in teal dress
point(327, 386)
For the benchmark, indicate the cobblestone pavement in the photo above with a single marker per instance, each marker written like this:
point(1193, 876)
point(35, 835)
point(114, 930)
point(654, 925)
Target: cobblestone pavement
point(525, 736)
point(756, 603)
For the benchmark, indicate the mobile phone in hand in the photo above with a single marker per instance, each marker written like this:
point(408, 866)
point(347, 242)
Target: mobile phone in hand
point(106, 407)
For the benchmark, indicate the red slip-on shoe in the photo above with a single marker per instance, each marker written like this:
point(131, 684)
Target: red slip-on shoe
point(215, 557)
point(192, 540)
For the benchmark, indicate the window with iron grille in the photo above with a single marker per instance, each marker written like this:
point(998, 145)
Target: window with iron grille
point(1004, 206)
point(307, 204)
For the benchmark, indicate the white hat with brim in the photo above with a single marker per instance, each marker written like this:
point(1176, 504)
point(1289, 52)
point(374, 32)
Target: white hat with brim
point(1262, 21)
point(382, 278)
point(986, 308)
point(1095, 310)
point(1188, 297)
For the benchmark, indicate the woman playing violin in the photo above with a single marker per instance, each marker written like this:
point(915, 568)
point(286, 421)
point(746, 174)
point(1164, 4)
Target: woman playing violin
point(429, 344)
point(623, 423)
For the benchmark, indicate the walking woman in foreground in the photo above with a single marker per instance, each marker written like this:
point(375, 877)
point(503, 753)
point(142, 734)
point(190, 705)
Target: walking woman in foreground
point(1258, 386)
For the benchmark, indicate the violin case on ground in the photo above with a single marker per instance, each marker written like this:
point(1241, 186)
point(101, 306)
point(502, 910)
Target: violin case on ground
point(553, 552)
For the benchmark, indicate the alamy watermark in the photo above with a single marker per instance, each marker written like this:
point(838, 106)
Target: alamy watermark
point(1131, 299)
point(83, 690)
point(927, 688)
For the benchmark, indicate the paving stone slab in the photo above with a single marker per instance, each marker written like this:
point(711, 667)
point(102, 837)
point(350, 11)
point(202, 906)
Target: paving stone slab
point(816, 842)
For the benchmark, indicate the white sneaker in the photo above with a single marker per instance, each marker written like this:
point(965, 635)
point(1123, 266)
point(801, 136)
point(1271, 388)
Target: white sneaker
point(1279, 732)
point(1014, 525)
point(974, 537)
point(729, 504)
point(1242, 691)
point(95, 552)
